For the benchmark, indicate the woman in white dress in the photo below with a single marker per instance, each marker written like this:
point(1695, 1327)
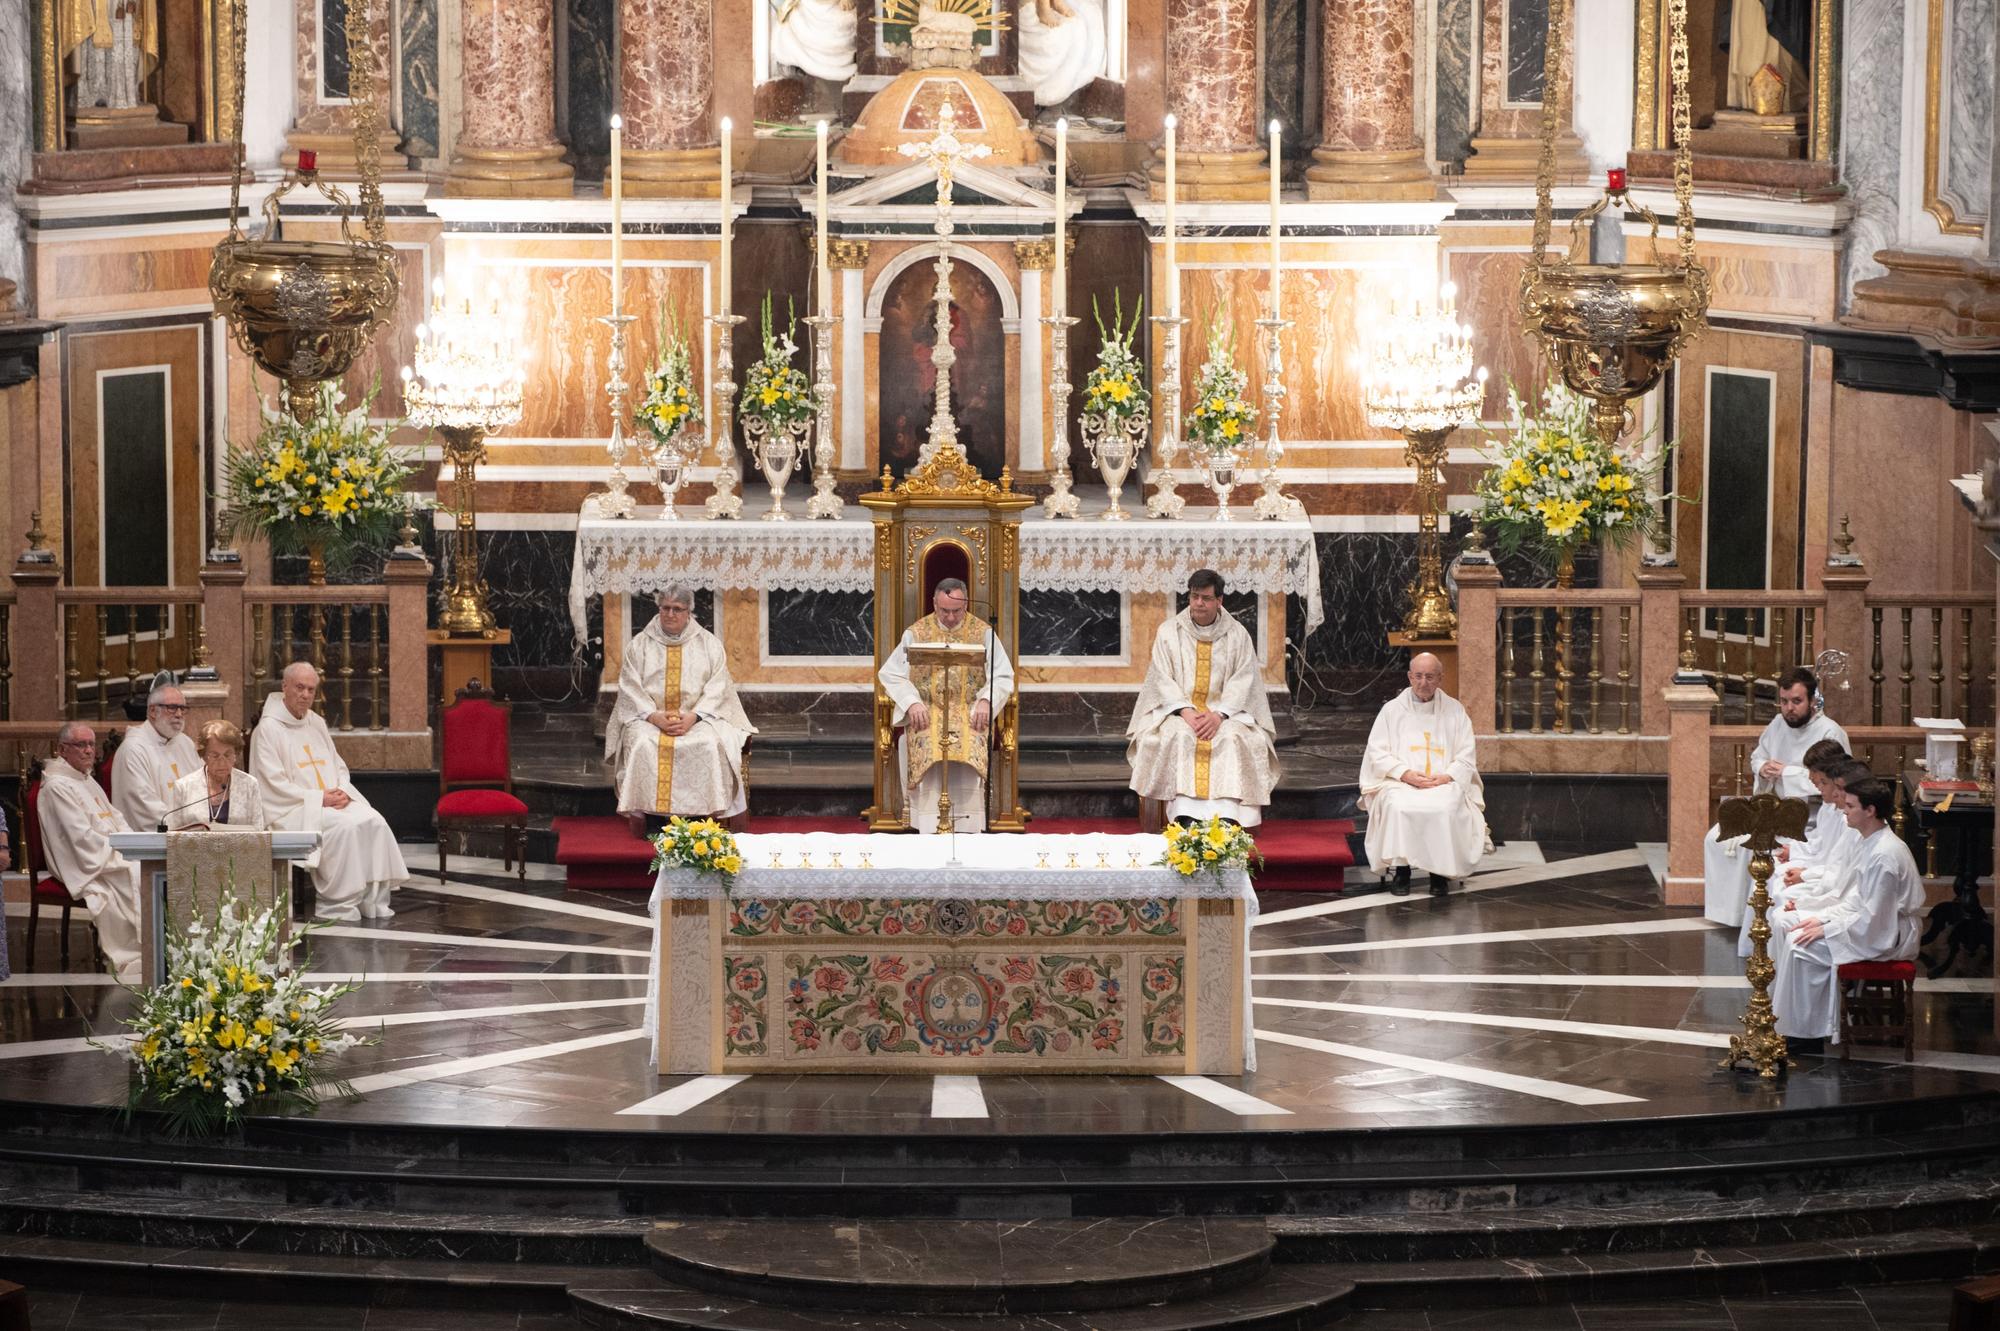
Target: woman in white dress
point(221, 793)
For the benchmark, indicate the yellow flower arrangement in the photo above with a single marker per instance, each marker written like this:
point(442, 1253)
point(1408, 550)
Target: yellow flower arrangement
point(774, 390)
point(1222, 416)
point(1115, 388)
point(1213, 848)
point(671, 409)
point(333, 481)
point(701, 844)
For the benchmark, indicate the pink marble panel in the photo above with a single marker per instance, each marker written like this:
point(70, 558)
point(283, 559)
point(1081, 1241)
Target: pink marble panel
point(1369, 88)
point(1212, 74)
point(509, 64)
point(666, 63)
point(315, 118)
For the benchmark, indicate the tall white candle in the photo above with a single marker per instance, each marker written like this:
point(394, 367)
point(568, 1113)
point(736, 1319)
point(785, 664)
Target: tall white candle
point(1173, 267)
point(617, 214)
point(722, 260)
point(825, 268)
point(1060, 296)
point(1276, 166)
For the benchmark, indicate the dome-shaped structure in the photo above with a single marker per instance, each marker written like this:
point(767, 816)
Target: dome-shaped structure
point(907, 112)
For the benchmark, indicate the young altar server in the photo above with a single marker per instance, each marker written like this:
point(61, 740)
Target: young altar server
point(1201, 739)
point(919, 696)
point(151, 758)
point(76, 821)
point(305, 788)
point(1777, 764)
point(1420, 784)
point(678, 729)
point(1829, 841)
point(1797, 893)
point(1876, 916)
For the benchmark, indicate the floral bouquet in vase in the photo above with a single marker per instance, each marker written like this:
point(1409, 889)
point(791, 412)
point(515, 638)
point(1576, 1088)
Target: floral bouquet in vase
point(233, 1028)
point(1554, 486)
point(671, 409)
point(1222, 424)
point(776, 404)
point(701, 844)
point(1117, 407)
point(1209, 848)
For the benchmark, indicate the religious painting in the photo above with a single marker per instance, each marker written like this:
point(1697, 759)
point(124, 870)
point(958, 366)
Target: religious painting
point(907, 391)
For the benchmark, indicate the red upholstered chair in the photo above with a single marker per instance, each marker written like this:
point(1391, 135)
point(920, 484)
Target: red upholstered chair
point(43, 889)
point(1878, 1005)
point(478, 758)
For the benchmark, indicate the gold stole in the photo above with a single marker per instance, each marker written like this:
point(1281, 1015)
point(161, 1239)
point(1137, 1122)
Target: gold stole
point(670, 703)
point(967, 745)
point(1203, 749)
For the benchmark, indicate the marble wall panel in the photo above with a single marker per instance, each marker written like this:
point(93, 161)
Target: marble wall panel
point(1488, 295)
point(1290, 43)
point(588, 84)
point(1527, 47)
point(1910, 530)
point(81, 279)
point(419, 77)
point(1871, 153)
point(1778, 355)
point(16, 129)
point(1968, 170)
point(773, 255)
point(1793, 282)
point(1058, 623)
point(332, 64)
point(818, 624)
point(1453, 93)
point(1145, 69)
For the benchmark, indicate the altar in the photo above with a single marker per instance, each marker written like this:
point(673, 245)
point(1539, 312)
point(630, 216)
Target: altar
point(836, 953)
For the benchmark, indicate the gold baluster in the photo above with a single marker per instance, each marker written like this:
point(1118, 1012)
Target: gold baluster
point(1965, 699)
point(1624, 669)
point(1721, 669)
point(1561, 650)
point(1736, 781)
point(1810, 638)
point(316, 626)
point(6, 663)
point(1937, 661)
point(347, 667)
point(1900, 818)
point(378, 704)
point(1908, 675)
point(131, 650)
point(1535, 676)
point(1507, 669)
point(103, 671)
point(199, 660)
point(260, 659)
point(1778, 618)
point(1596, 614)
point(1875, 666)
point(72, 672)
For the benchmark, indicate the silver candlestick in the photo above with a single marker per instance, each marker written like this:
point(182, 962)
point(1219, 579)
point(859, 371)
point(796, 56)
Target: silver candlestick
point(1273, 504)
point(825, 503)
point(1060, 503)
point(725, 502)
point(615, 502)
point(1165, 501)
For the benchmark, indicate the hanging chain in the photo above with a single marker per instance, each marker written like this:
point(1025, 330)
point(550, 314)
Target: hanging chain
point(1555, 91)
point(1677, 65)
point(367, 114)
point(238, 39)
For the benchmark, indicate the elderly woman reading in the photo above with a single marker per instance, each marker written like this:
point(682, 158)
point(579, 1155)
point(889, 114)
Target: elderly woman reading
point(221, 793)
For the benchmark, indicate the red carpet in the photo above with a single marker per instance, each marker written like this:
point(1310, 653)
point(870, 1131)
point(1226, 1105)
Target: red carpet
point(1300, 855)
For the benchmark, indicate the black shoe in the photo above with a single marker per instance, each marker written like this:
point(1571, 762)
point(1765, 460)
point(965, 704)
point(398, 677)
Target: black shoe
point(1400, 884)
point(1805, 1045)
point(1439, 884)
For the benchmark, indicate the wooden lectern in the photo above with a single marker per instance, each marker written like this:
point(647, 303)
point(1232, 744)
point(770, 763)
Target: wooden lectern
point(157, 913)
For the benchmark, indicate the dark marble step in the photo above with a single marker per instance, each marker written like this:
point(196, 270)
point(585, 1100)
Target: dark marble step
point(963, 1267)
point(1292, 1298)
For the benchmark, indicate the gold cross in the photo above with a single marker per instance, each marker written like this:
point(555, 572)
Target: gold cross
point(1427, 749)
point(315, 764)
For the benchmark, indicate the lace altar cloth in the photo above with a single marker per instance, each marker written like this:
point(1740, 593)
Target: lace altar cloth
point(628, 557)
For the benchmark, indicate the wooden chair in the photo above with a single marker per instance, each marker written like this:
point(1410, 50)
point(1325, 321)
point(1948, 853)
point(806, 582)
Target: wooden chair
point(43, 888)
point(477, 758)
point(1878, 1005)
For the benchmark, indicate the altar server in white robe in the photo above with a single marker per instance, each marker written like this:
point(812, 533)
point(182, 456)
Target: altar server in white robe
point(1799, 894)
point(920, 696)
point(1062, 47)
point(1877, 916)
point(77, 819)
point(1829, 841)
point(305, 788)
point(678, 729)
point(151, 759)
point(1777, 764)
point(1201, 738)
point(1420, 784)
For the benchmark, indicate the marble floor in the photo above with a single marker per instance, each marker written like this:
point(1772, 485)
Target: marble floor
point(1548, 987)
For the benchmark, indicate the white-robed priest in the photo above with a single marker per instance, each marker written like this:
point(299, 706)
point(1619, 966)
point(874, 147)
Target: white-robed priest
point(936, 743)
point(305, 788)
point(76, 821)
point(1420, 784)
point(678, 729)
point(1876, 915)
point(1777, 764)
point(151, 758)
point(1201, 739)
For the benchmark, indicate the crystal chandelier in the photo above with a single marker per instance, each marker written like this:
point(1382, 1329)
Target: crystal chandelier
point(1419, 381)
point(466, 384)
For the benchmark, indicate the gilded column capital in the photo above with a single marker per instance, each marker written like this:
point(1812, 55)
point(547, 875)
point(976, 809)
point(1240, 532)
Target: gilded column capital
point(1035, 254)
point(847, 253)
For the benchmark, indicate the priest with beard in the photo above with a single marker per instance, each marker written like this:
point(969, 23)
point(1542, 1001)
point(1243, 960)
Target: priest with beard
point(1420, 784)
point(1201, 740)
point(1777, 764)
point(152, 758)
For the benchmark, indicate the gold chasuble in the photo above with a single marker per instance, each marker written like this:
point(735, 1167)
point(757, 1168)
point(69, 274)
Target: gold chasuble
point(670, 702)
point(1204, 750)
point(923, 749)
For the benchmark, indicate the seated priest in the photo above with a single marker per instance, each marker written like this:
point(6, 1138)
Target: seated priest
point(151, 758)
point(1829, 841)
point(221, 794)
point(1801, 890)
point(1201, 739)
point(1876, 916)
point(920, 695)
point(304, 787)
point(1420, 784)
point(677, 731)
point(77, 820)
point(1777, 764)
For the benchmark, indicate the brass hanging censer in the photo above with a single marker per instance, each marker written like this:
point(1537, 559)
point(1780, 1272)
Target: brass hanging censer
point(304, 309)
point(1611, 330)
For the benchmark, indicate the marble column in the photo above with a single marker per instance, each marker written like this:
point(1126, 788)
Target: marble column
point(850, 260)
point(16, 133)
point(508, 145)
point(1212, 95)
point(325, 123)
point(1368, 147)
point(666, 64)
point(1513, 40)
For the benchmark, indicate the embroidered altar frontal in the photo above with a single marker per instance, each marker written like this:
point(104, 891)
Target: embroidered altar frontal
point(1066, 976)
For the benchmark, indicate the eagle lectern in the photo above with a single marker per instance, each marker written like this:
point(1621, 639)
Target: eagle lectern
point(945, 520)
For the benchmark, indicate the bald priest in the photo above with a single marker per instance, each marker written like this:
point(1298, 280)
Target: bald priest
point(1420, 784)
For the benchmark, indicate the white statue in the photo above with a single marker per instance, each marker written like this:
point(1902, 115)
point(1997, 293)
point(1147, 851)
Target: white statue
point(1062, 47)
point(114, 44)
point(816, 37)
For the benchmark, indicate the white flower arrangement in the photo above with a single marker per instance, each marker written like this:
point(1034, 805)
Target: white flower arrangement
point(1222, 418)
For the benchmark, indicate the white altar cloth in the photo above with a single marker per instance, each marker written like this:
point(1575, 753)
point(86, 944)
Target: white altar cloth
point(633, 556)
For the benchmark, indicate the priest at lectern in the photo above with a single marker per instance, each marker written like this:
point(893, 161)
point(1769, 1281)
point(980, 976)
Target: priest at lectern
point(946, 711)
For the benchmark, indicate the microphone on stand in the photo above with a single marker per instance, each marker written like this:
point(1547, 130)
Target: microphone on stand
point(171, 812)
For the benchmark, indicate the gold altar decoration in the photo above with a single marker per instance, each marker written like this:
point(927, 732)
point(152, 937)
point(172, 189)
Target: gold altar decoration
point(1611, 330)
point(1763, 819)
point(303, 310)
